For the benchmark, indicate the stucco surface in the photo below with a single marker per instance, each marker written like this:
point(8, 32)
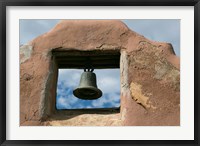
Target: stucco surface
point(150, 75)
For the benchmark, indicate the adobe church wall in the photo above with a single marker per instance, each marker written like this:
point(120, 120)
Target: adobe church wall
point(150, 73)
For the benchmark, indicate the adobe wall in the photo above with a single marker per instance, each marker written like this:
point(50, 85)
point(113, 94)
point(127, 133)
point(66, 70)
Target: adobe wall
point(150, 75)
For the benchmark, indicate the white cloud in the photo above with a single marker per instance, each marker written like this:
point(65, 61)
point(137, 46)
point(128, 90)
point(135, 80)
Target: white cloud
point(108, 80)
point(66, 101)
point(112, 99)
point(109, 84)
point(70, 77)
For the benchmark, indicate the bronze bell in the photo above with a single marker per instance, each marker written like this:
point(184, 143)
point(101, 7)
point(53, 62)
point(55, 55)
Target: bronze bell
point(87, 88)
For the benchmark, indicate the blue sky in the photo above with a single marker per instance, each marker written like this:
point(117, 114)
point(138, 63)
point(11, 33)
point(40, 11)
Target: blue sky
point(108, 80)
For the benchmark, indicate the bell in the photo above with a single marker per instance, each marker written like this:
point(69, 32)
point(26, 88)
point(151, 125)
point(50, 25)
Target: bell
point(87, 89)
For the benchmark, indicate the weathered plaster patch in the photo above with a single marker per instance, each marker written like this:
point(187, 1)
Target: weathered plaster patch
point(25, 52)
point(149, 47)
point(123, 116)
point(173, 75)
point(152, 60)
point(160, 69)
point(167, 73)
point(108, 47)
point(46, 101)
point(139, 97)
point(124, 70)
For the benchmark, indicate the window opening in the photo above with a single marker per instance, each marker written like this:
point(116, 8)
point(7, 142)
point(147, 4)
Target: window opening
point(108, 80)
